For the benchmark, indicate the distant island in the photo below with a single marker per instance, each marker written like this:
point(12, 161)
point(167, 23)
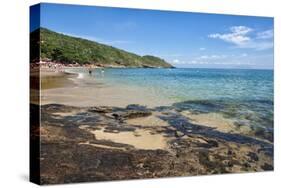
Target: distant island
point(61, 48)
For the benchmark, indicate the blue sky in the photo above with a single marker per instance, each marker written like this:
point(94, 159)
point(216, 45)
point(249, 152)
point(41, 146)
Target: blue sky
point(181, 38)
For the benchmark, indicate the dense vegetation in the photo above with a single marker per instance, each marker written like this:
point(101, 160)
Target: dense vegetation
point(67, 49)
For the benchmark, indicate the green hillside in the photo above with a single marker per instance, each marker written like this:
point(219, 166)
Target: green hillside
point(67, 49)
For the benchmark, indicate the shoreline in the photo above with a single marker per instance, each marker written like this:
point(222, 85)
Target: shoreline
point(51, 64)
point(71, 90)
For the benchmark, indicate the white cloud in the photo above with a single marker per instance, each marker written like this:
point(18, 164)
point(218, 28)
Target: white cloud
point(231, 62)
point(237, 35)
point(237, 60)
point(202, 49)
point(203, 57)
point(241, 38)
point(240, 30)
point(176, 61)
point(258, 45)
point(212, 57)
point(191, 62)
point(268, 34)
point(244, 55)
point(195, 62)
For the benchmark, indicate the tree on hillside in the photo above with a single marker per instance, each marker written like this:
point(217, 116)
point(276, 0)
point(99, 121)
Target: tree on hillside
point(57, 55)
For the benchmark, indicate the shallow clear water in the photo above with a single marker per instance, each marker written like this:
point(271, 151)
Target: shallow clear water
point(198, 84)
point(193, 84)
point(243, 95)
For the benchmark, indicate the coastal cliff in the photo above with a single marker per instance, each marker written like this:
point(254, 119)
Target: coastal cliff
point(66, 49)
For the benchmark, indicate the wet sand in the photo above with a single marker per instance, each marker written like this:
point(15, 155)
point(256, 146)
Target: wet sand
point(140, 139)
point(47, 79)
point(51, 79)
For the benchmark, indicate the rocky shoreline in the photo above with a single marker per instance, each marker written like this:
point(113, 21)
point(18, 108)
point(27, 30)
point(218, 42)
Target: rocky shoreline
point(89, 144)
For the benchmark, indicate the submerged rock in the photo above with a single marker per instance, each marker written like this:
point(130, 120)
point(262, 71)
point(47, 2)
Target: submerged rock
point(101, 109)
point(130, 114)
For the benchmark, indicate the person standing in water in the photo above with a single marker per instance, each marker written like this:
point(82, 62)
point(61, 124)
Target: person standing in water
point(90, 70)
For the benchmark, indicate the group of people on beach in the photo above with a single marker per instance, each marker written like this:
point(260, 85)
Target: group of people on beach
point(52, 66)
point(59, 67)
point(56, 67)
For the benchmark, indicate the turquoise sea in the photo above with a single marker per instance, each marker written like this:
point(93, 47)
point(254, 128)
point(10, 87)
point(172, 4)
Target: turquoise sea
point(243, 95)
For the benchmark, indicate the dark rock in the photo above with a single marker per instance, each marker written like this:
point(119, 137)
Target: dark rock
point(246, 165)
point(111, 131)
point(229, 152)
point(116, 160)
point(213, 143)
point(267, 167)
point(136, 107)
point(100, 109)
point(229, 163)
point(119, 129)
point(131, 114)
point(209, 144)
point(116, 116)
point(136, 114)
point(179, 134)
point(262, 133)
point(253, 156)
